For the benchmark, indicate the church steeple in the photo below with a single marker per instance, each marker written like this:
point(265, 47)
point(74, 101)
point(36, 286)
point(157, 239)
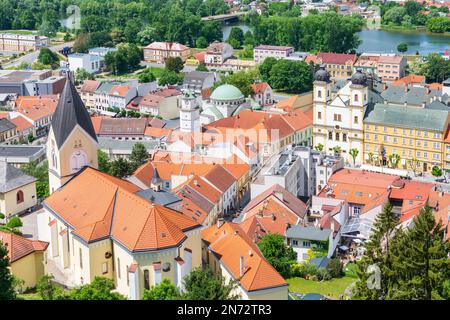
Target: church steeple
point(69, 113)
point(72, 142)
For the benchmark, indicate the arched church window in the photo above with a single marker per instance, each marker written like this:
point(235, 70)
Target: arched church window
point(19, 196)
point(319, 94)
point(78, 160)
point(54, 160)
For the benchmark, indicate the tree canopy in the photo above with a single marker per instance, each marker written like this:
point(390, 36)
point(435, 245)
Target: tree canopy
point(277, 253)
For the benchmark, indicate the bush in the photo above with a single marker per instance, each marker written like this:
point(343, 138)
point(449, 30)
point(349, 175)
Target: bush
point(303, 270)
point(323, 274)
point(335, 268)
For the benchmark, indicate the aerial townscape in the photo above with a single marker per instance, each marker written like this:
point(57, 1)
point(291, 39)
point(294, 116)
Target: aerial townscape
point(225, 150)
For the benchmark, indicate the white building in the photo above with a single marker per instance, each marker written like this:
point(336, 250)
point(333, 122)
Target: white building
point(88, 62)
point(338, 118)
point(298, 169)
point(190, 112)
point(217, 53)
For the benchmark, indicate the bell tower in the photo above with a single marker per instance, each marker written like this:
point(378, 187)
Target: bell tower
point(72, 142)
point(190, 112)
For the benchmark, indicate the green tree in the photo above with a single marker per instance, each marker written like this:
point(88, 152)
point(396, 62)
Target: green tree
point(436, 69)
point(277, 253)
point(139, 155)
point(378, 255)
point(291, 76)
point(99, 289)
point(40, 172)
point(204, 284)
point(47, 57)
point(201, 67)
point(421, 260)
point(6, 279)
point(174, 64)
point(337, 149)
point(237, 36)
point(402, 47)
point(47, 290)
point(81, 43)
point(353, 153)
point(201, 42)
point(438, 24)
point(169, 78)
point(247, 52)
point(436, 171)
point(319, 147)
point(242, 80)
point(82, 74)
point(394, 15)
point(146, 76)
point(394, 159)
point(120, 168)
point(103, 161)
point(163, 291)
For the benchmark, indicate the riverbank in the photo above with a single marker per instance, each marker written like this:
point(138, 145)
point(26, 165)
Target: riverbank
point(421, 29)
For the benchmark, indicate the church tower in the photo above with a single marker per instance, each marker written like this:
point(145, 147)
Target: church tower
point(72, 142)
point(190, 112)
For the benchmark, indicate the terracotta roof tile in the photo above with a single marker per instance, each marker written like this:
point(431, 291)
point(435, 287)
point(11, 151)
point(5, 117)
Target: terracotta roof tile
point(229, 243)
point(19, 247)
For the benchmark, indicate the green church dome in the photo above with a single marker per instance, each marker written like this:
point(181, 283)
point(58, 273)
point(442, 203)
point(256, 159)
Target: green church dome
point(226, 92)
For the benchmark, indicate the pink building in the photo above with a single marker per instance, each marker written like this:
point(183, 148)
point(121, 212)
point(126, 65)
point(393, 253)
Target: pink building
point(278, 52)
point(391, 68)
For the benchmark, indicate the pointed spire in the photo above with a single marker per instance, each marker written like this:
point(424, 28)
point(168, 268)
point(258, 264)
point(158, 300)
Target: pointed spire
point(70, 112)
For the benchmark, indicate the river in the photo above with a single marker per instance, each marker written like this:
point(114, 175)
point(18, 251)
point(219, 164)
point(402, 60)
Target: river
point(383, 41)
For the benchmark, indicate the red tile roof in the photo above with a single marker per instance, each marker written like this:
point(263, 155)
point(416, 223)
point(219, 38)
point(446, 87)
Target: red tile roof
point(336, 58)
point(259, 87)
point(19, 247)
point(138, 224)
point(229, 243)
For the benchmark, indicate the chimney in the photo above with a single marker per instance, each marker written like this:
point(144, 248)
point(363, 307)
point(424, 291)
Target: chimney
point(220, 222)
point(196, 182)
point(241, 266)
point(250, 253)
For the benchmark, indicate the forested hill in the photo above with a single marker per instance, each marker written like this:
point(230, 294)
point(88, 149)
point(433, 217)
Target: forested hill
point(110, 22)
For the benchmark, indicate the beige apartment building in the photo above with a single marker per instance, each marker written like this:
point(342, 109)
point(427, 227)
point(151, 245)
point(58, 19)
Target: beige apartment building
point(158, 52)
point(22, 43)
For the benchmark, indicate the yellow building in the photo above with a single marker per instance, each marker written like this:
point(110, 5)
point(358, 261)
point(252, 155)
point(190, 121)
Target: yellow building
point(17, 190)
point(26, 258)
point(97, 225)
point(8, 131)
point(415, 134)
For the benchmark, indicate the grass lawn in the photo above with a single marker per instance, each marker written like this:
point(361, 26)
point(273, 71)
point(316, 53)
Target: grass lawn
point(332, 288)
point(29, 296)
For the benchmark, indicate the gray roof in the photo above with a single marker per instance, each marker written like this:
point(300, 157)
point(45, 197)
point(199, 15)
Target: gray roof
point(161, 197)
point(20, 150)
point(308, 233)
point(115, 144)
point(407, 117)
point(6, 125)
point(69, 113)
point(12, 178)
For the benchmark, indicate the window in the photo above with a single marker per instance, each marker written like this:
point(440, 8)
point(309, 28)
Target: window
point(330, 135)
point(118, 268)
point(81, 258)
point(355, 120)
point(436, 145)
point(319, 115)
point(319, 93)
point(344, 137)
point(306, 244)
point(295, 242)
point(356, 98)
point(337, 117)
point(19, 196)
point(425, 154)
point(356, 210)
point(337, 136)
point(104, 267)
point(146, 279)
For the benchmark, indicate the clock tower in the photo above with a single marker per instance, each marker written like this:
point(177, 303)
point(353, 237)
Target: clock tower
point(72, 142)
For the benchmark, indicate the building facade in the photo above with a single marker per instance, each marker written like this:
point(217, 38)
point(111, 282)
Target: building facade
point(22, 43)
point(158, 52)
point(338, 119)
